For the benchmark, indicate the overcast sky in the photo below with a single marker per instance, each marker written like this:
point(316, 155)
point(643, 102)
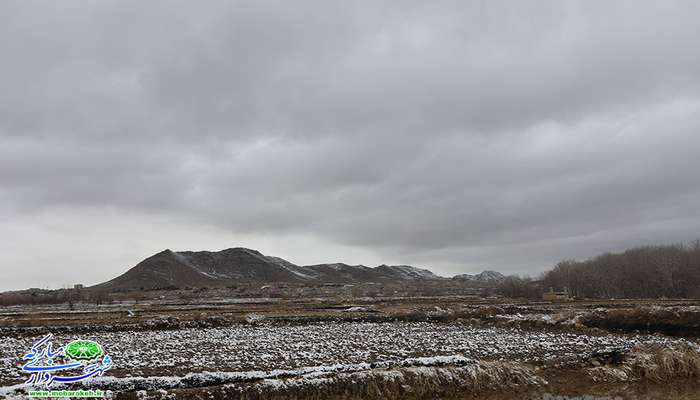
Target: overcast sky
point(458, 136)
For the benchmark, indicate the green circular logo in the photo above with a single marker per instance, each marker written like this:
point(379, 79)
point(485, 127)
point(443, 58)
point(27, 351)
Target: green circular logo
point(83, 350)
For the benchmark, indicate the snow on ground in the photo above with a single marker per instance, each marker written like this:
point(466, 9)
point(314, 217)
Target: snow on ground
point(269, 347)
point(275, 377)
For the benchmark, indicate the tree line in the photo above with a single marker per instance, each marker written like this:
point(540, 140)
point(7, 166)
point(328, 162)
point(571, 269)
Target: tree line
point(644, 272)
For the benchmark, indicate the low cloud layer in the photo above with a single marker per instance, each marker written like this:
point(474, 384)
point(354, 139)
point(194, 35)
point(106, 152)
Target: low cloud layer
point(457, 136)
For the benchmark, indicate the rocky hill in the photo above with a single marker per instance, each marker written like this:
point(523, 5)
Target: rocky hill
point(240, 265)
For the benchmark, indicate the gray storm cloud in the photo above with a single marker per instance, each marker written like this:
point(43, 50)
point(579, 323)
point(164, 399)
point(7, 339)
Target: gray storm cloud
point(455, 135)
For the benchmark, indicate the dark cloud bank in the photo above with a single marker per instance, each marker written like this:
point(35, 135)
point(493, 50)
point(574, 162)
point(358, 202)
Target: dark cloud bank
point(453, 135)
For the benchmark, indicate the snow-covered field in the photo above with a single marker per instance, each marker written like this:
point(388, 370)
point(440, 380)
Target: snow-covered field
point(264, 347)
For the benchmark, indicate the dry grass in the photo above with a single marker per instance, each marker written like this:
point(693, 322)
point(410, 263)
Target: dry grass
point(414, 382)
point(655, 364)
point(398, 383)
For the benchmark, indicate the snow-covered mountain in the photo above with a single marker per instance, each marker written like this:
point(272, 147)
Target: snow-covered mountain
point(236, 265)
point(407, 272)
point(487, 277)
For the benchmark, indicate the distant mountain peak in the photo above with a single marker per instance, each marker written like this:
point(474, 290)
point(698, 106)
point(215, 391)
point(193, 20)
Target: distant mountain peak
point(482, 277)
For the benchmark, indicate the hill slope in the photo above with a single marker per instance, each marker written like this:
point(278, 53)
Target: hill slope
point(239, 265)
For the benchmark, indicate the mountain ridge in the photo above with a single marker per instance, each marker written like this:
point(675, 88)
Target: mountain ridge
point(170, 268)
point(482, 277)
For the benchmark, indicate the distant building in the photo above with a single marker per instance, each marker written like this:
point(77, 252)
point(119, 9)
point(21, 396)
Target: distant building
point(552, 295)
point(78, 286)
